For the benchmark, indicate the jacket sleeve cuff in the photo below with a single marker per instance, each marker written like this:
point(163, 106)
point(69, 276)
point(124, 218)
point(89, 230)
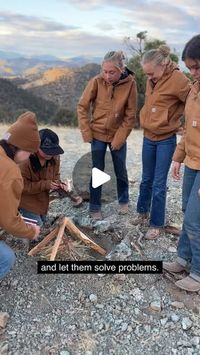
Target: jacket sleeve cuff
point(87, 136)
point(179, 156)
point(120, 138)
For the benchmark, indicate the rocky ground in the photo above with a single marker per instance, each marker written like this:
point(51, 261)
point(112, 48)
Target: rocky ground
point(95, 314)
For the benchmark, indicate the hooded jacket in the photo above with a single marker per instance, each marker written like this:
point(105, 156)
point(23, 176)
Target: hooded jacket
point(188, 149)
point(37, 182)
point(107, 112)
point(164, 104)
point(11, 186)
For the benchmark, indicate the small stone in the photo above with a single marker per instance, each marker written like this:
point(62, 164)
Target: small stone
point(137, 311)
point(4, 348)
point(63, 298)
point(183, 343)
point(130, 329)
point(174, 317)
point(147, 328)
point(102, 226)
point(3, 319)
point(82, 221)
point(93, 298)
point(163, 321)
point(156, 305)
point(186, 323)
point(177, 304)
point(14, 283)
point(99, 306)
point(172, 249)
point(101, 326)
point(124, 327)
point(195, 341)
point(118, 321)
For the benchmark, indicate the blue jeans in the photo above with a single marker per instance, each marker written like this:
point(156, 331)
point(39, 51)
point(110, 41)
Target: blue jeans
point(7, 259)
point(156, 161)
point(40, 218)
point(189, 241)
point(119, 161)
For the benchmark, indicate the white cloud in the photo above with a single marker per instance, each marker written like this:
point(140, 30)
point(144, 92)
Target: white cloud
point(30, 23)
point(101, 30)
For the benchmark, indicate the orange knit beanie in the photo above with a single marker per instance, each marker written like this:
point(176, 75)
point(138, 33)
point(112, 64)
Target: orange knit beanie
point(24, 133)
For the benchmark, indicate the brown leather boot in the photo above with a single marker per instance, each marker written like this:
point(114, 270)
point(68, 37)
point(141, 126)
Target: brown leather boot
point(123, 208)
point(188, 284)
point(173, 267)
point(96, 216)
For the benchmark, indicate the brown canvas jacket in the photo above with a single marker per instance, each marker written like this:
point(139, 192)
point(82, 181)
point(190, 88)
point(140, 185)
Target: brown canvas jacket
point(188, 149)
point(35, 196)
point(11, 186)
point(164, 104)
point(107, 112)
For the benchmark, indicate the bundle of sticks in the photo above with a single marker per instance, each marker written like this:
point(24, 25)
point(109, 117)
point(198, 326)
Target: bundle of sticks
point(65, 190)
point(58, 233)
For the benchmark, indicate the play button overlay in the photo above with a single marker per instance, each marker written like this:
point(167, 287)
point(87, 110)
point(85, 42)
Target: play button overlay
point(99, 178)
point(82, 176)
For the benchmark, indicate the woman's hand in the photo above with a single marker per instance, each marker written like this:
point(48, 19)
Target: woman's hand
point(54, 186)
point(66, 185)
point(113, 147)
point(176, 170)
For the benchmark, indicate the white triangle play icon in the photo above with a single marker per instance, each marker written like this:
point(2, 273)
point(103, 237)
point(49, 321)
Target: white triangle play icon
point(99, 178)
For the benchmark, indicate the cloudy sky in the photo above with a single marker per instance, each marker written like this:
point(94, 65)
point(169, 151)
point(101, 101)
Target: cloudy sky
point(65, 28)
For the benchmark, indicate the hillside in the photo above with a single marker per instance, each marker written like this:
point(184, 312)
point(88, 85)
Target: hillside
point(53, 94)
point(14, 64)
point(34, 79)
point(62, 86)
point(14, 101)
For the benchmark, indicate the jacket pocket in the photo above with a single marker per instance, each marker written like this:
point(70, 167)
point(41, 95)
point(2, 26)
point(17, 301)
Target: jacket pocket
point(158, 119)
point(192, 136)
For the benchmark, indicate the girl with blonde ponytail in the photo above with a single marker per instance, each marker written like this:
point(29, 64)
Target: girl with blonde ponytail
point(166, 91)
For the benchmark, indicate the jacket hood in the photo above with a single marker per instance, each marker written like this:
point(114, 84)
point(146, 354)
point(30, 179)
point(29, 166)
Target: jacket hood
point(171, 66)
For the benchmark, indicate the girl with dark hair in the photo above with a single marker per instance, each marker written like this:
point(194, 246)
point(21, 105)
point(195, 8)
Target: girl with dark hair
point(188, 151)
point(18, 142)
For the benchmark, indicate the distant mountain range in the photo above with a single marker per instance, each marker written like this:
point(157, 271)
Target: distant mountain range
point(52, 92)
point(14, 64)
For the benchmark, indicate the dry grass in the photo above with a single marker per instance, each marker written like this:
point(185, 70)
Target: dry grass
point(69, 249)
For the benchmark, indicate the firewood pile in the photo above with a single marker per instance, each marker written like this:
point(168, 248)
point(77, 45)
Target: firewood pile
point(62, 244)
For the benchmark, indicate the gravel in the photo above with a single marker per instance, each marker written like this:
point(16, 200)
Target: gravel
point(101, 314)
